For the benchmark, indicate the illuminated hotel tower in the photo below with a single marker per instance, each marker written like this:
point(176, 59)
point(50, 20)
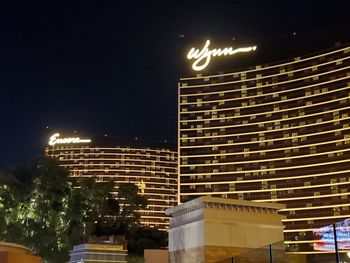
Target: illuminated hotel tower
point(276, 132)
point(152, 167)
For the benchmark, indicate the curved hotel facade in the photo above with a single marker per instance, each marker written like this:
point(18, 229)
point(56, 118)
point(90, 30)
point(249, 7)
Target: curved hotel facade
point(153, 168)
point(276, 132)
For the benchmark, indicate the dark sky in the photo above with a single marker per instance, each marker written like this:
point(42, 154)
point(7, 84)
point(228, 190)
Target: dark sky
point(111, 66)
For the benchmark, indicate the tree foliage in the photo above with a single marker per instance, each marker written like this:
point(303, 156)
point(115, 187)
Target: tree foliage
point(49, 212)
point(46, 210)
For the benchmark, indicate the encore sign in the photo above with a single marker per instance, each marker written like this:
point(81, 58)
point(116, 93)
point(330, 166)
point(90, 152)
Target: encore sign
point(203, 57)
point(54, 139)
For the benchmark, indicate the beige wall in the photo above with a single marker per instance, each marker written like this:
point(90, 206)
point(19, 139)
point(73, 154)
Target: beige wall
point(156, 256)
point(208, 230)
point(13, 253)
point(241, 229)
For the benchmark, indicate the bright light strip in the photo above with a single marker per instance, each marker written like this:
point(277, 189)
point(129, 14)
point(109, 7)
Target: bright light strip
point(55, 140)
point(203, 57)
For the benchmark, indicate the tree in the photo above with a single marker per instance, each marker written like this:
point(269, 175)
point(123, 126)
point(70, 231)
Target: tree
point(128, 204)
point(49, 212)
point(127, 222)
point(53, 212)
point(141, 238)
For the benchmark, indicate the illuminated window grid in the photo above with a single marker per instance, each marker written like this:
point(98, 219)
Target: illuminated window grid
point(279, 134)
point(157, 168)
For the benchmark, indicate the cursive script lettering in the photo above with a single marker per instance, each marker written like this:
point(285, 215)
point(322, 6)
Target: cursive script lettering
point(55, 140)
point(203, 57)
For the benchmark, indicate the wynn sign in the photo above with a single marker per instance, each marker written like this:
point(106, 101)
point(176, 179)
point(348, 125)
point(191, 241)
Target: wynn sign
point(203, 57)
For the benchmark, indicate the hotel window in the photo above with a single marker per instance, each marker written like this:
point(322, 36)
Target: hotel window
point(246, 152)
point(339, 62)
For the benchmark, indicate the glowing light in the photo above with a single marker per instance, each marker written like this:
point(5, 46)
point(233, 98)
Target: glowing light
point(55, 140)
point(203, 57)
point(141, 185)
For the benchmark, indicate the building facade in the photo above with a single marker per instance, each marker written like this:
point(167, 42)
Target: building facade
point(276, 132)
point(90, 253)
point(153, 168)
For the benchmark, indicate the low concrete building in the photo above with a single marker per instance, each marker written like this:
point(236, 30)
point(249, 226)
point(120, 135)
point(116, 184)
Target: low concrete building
point(210, 229)
point(14, 253)
point(92, 253)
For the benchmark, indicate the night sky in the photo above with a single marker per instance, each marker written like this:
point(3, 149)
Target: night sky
point(111, 67)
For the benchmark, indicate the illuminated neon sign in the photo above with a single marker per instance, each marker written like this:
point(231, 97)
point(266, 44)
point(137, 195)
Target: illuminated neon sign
point(203, 57)
point(54, 139)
